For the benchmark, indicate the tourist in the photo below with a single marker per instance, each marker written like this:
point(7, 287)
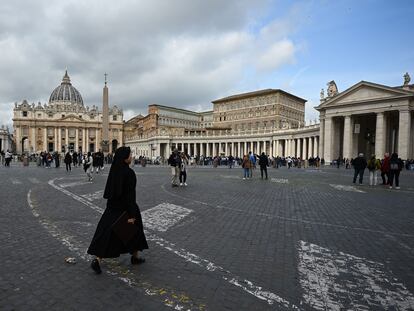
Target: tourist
point(252, 159)
point(7, 158)
point(75, 159)
point(263, 162)
point(396, 165)
point(87, 167)
point(120, 194)
point(289, 162)
point(246, 165)
point(385, 169)
point(183, 170)
point(174, 161)
point(68, 161)
point(231, 161)
point(359, 166)
point(373, 166)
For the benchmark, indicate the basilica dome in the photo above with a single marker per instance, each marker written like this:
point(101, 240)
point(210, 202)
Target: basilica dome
point(65, 93)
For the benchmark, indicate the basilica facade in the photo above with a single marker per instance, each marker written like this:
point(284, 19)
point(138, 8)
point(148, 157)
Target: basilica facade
point(66, 124)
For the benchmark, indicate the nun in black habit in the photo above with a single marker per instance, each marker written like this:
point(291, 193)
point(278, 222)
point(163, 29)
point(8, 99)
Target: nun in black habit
point(120, 193)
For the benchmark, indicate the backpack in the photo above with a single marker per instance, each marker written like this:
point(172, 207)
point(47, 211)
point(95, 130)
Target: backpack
point(371, 164)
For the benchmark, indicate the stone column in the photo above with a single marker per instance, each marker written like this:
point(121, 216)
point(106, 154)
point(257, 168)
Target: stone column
point(293, 147)
point(380, 135)
point(286, 149)
point(310, 147)
point(59, 139)
point(97, 139)
point(45, 145)
point(304, 153)
point(84, 146)
point(55, 139)
point(277, 148)
point(404, 131)
point(226, 149)
point(321, 139)
point(77, 140)
point(299, 148)
point(87, 140)
point(328, 141)
point(348, 135)
point(66, 139)
point(208, 150)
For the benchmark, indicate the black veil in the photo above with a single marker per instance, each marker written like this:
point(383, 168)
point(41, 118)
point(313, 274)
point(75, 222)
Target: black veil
point(115, 182)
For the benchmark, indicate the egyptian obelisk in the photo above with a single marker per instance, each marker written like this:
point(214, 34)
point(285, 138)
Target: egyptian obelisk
point(105, 119)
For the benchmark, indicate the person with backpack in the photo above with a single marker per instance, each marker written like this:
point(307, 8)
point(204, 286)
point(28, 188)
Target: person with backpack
point(373, 166)
point(359, 166)
point(396, 165)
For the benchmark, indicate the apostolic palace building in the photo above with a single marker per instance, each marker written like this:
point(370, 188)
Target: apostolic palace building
point(66, 124)
point(367, 117)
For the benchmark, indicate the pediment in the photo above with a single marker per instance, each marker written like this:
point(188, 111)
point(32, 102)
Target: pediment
point(365, 92)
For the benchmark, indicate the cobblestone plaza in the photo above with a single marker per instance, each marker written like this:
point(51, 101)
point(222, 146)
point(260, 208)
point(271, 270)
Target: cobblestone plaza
point(304, 239)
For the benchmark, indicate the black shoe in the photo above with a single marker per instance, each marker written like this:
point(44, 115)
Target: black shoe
point(95, 266)
point(137, 261)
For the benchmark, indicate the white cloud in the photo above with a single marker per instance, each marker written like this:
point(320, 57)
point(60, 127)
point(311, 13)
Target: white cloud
point(278, 54)
point(181, 53)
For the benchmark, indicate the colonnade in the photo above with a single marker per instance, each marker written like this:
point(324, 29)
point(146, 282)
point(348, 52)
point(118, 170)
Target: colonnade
point(301, 147)
point(389, 135)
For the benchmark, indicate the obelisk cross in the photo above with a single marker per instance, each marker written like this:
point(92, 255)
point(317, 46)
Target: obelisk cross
point(105, 77)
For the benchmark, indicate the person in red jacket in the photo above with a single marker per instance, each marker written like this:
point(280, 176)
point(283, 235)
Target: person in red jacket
point(385, 169)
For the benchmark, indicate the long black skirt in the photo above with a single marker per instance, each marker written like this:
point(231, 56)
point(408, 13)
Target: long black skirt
point(106, 244)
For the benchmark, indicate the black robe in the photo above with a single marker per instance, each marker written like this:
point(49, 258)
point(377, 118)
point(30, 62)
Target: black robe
point(105, 243)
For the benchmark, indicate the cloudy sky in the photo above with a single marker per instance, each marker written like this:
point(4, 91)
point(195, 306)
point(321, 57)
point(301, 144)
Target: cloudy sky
point(186, 53)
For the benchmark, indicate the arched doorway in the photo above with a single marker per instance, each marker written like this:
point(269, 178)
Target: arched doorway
point(114, 145)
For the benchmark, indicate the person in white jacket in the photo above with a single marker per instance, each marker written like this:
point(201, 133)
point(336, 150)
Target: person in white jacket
point(87, 166)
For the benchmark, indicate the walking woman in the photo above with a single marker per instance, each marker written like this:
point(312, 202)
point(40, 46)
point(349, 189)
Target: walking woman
point(120, 193)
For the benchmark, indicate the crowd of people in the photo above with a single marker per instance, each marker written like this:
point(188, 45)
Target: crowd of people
point(390, 168)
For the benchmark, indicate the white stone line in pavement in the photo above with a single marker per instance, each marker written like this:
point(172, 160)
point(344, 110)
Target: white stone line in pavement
point(34, 180)
point(163, 216)
point(346, 188)
point(15, 181)
point(340, 281)
point(246, 285)
point(71, 244)
point(93, 196)
point(75, 183)
point(280, 180)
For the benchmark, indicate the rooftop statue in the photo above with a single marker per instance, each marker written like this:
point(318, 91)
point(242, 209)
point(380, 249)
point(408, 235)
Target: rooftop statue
point(407, 78)
point(332, 89)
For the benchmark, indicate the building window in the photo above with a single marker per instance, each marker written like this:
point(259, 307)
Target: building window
point(80, 116)
point(114, 118)
point(63, 115)
point(24, 113)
